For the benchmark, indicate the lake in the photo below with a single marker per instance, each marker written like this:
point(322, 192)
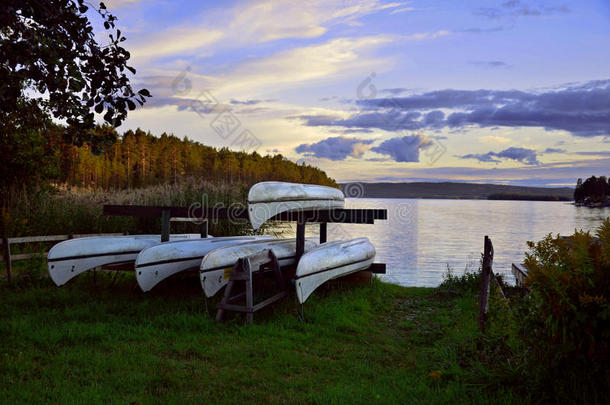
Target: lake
point(422, 237)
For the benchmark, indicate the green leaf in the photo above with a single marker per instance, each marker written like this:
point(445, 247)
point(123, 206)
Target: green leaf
point(99, 108)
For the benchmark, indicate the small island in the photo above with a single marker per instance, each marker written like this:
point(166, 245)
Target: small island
point(593, 192)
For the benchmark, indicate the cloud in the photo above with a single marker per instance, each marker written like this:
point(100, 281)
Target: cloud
point(490, 64)
point(494, 139)
point(395, 91)
point(595, 153)
point(582, 109)
point(524, 155)
point(253, 23)
point(514, 9)
point(403, 149)
point(335, 148)
point(554, 150)
point(245, 102)
point(483, 30)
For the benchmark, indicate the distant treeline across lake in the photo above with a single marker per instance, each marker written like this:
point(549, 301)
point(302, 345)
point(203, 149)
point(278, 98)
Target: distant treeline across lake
point(467, 191)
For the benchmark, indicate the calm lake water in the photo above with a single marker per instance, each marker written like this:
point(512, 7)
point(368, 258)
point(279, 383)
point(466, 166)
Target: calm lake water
point(422, 237)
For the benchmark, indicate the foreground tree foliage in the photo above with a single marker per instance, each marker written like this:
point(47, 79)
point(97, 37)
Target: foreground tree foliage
point(50, 57)
point(52, 66)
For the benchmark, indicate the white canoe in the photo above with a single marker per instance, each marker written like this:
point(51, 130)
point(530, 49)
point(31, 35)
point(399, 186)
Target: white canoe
point(270, 198)
point(157, 263)
point(331, 260)
point(72, 257)
point(216, 266)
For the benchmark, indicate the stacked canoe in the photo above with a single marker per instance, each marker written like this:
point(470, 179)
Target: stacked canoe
point(155, 261)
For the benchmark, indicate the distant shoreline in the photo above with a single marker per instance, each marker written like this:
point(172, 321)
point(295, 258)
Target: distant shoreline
point(456, 191)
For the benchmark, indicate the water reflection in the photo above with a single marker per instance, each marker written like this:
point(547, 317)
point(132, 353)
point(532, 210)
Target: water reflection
point(422, 237)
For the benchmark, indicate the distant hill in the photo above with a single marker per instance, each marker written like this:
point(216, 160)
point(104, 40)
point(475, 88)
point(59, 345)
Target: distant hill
point(449, 190)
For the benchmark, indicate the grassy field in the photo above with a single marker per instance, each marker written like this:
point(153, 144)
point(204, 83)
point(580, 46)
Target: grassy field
point(109, 343)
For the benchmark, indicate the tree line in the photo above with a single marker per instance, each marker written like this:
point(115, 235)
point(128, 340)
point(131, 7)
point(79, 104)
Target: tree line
point(593, 189)
point(137, 159)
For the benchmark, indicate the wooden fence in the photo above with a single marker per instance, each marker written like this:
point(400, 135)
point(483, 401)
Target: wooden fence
point(8, 258)
point(487, 275)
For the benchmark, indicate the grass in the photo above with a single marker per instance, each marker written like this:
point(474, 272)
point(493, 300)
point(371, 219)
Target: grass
point(110, 343)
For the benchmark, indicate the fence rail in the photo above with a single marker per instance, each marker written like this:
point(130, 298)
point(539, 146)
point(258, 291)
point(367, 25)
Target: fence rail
point(8, 258)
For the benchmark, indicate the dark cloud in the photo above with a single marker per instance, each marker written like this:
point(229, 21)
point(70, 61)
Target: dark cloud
point(403, 149)
point(395, 91)
point(554, 150)
point(245, 102)
point(490, 63)
point(524, 155)
point(335, 148)
point(583, 110)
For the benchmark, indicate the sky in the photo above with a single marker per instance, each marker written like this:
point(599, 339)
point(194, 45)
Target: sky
point(499, 91)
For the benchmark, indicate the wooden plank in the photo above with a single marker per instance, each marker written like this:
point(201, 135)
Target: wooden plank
point(520, 273)
point(349, 216)
point(30, 239)
point(54, 238)
point(24, 256)
point(269, 300)
point(7, 258)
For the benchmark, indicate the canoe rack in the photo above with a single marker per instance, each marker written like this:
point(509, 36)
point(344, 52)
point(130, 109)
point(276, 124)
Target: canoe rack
point(240, 213)
point(245, 270)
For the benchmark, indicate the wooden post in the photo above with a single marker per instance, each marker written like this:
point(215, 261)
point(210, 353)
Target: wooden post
point(486, 271)
point(300, 238)
point(204, 229)
point(323, 231)
point(249, 292)
point(7, 258)
point(165, 217)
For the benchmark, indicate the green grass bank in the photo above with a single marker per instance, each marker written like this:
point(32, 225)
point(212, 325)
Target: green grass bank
point(109, 343)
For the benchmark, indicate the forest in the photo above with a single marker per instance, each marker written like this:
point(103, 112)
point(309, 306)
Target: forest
point(137, 159)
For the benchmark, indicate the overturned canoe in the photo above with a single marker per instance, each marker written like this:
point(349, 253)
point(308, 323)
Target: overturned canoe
point(270, 198)
point(331, 260)
point(157, 263)
point(72, 257)
point(216, 266)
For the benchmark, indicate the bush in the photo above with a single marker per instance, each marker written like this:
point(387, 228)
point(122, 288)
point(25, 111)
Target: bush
point(566, 317)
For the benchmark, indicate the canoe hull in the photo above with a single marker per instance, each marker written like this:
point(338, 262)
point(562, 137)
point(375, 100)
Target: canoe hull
point(72, 257)
point(270, 198)
point(216, 266)
point(157, 263)
point(329, 261)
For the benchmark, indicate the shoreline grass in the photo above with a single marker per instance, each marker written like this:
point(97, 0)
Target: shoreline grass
point(378, 343)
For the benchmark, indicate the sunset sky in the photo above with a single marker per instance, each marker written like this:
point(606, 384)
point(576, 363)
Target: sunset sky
point(504, 91)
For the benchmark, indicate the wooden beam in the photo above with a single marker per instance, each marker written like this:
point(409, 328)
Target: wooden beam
point(377, 268)
point(323, 232)
point(300, 249)
point(348, 216)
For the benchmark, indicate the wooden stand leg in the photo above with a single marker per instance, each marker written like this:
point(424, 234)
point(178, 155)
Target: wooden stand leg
point(165, 217)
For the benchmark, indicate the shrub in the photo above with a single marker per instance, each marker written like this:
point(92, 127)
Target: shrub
point(566, 317)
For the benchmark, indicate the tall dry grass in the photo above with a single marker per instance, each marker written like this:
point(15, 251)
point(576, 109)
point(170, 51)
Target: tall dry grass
point(64, 210)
